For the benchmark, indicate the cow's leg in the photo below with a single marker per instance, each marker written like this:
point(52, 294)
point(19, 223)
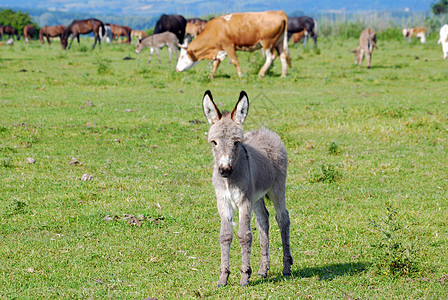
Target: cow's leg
point(48, 40)
point(277, 195)
point(269, 59)
point(262, 220)
point(216, 63)
point(225, 236)
point(245, 238)
point(234, 59)
point(284, 60)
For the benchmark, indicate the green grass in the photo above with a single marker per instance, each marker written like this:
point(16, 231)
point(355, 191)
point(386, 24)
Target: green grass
point(359, 141)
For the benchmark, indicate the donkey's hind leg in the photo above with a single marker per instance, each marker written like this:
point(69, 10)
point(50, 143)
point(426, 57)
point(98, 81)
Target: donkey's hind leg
point(262, 220)
point(277, 195)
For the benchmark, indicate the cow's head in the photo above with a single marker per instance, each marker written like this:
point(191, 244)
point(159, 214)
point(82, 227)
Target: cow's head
point(186, 60)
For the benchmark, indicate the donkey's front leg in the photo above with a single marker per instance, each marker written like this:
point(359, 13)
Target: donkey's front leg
point(245, 238)
point(226, 236)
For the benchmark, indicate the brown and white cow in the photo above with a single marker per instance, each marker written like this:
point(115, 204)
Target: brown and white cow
point(418, 32)
point(367, 41)
point(226, 34)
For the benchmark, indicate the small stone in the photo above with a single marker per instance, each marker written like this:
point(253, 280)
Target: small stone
point(89, 103)
point(74, 162)
point(86, 177)
point(30, 160)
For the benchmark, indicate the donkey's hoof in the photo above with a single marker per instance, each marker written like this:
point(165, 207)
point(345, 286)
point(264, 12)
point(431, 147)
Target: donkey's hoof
point(286, 274)
point(264, 275)
point(221, 284)
point(244, 279)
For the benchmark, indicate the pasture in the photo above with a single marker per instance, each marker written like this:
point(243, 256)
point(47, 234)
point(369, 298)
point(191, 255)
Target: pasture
point(366, 188)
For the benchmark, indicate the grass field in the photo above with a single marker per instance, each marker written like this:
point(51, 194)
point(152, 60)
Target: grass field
point(366, 190)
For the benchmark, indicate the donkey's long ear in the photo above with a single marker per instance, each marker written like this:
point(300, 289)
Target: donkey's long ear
point(241, 109)
point(211, 112)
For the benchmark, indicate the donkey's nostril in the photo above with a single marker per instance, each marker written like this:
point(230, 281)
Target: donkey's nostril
point(225, 171)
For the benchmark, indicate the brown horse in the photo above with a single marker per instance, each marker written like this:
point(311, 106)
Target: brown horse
point(139, 34)
point(9, 30)
point(28, 32)
point(119, 30)
point(78, 27)
point(194, 27)
point(51, 31)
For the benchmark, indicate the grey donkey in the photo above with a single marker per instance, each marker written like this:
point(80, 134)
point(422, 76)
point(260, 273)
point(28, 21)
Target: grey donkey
point(156, 41)
point(367, 41)
point(248, 167)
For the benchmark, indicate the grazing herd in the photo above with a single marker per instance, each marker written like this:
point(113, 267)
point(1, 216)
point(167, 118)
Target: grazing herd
point(215, 39)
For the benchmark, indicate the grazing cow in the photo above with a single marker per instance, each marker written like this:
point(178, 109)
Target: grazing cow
point(298, 36)
point(367, 42)
point(226, 34)
point(51, 31)
point(139, 34)
point(194, 27)
point(10, 31)
point(28, 32)
point(418, 32)
point(172, 23)
point(444, 40)
point(158, 41)
point(248, 167)
point(298, 24)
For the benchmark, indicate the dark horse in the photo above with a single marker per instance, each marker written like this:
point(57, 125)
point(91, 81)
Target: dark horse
point(9, 30)
point(172, 23)
point(28, 32)
point(50, 31)
point(298, 24)
point(78, 27)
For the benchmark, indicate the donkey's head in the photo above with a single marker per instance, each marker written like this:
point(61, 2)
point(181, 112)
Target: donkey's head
point(226, 133)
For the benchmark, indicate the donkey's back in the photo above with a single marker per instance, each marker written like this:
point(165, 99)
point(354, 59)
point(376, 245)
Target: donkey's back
point(160, 40)
point(267, 158)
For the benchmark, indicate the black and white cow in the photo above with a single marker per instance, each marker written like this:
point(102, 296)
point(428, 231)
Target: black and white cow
point(298, 24)
point(172, 23)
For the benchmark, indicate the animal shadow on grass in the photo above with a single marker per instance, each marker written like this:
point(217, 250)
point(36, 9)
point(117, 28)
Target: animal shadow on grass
point(373, 66)
point(325, 272)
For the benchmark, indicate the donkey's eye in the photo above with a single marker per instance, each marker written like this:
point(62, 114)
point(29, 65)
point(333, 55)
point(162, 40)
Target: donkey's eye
point(214, 143)
point(236, 143)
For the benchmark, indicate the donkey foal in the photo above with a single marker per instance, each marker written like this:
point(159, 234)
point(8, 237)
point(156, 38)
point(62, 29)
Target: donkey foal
point(247, 168)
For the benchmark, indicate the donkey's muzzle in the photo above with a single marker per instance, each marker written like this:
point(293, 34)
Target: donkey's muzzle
point(225, 171)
